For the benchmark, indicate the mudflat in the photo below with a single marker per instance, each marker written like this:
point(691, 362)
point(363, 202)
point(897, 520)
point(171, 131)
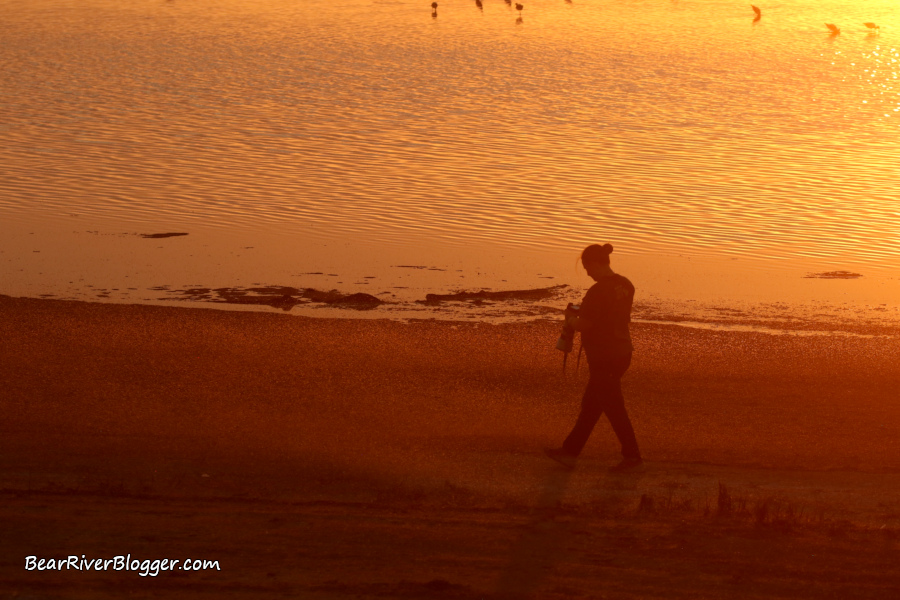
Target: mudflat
point(320, 458)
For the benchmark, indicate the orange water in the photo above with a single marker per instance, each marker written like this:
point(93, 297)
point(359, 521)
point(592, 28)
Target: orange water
point(726, 159)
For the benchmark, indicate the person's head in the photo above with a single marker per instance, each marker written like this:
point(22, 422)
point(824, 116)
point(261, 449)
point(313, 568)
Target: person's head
point(595, 259)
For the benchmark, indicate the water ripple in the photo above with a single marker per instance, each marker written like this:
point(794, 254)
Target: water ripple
point(626, 121)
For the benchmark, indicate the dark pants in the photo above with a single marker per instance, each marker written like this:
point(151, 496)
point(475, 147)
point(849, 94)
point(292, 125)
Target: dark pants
point(604, 395)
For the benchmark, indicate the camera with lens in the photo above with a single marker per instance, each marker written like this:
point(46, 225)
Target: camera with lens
point(567, 337)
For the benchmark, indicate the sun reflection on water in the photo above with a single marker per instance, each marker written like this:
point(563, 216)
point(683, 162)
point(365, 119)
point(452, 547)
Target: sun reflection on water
point(670, 127)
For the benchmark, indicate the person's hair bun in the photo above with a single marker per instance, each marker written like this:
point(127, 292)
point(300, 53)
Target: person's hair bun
point(597, 253)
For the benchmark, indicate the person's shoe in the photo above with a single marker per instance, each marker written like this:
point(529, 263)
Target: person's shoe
point(627, 465)
point(561, 456)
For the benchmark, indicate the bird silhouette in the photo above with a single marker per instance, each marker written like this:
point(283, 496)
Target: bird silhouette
point(873, 26)
point(479, 5)
point(757, 11)
point(519, 7)
point(834, 28)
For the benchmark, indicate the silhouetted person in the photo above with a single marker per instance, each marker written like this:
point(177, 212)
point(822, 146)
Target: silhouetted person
point(603, 320)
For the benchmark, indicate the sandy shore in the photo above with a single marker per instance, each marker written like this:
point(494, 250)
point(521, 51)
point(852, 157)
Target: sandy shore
point(323, 458)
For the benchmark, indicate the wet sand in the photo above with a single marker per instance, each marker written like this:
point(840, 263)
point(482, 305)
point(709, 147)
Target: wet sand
point(320, 458)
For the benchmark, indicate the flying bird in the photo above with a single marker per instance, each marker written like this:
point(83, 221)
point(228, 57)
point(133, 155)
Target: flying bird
point(757, 11)
point(872, 26)
point(519, 7)
point(834, 28)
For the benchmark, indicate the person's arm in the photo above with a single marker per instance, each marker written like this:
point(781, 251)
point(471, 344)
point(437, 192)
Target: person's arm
point(576, 322)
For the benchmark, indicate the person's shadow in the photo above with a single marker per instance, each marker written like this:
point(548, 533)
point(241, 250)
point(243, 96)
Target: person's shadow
point(545, 538)
point(536, 550)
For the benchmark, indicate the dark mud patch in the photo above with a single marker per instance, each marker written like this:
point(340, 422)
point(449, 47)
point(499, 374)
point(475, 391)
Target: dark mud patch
point(283, 297)
point(418, 267)
point(501, 296)
point(157, 236)
point(730, 312)
point(834, 275)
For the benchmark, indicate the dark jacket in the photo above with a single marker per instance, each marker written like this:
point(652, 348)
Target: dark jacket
point(607, 306)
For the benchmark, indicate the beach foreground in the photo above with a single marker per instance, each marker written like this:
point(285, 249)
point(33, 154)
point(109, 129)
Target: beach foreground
point(320, 458)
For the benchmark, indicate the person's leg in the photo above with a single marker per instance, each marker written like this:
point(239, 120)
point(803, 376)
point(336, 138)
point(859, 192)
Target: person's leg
point(613, 404)
point(590, 411)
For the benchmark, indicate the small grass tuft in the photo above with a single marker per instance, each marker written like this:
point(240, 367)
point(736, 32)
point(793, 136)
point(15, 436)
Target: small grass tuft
point(761, 511)
point(724, 505)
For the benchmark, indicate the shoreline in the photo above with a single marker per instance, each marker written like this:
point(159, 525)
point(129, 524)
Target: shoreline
point(505, 307)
